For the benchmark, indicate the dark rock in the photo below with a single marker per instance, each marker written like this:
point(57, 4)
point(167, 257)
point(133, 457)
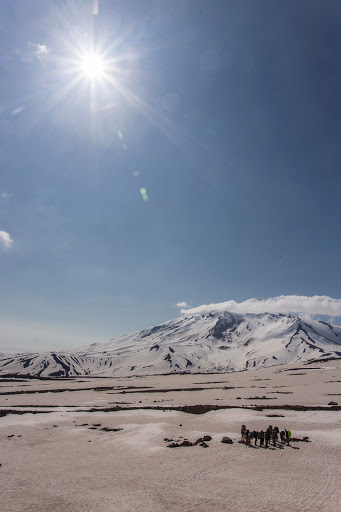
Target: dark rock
point(333, 403)
point(207, 438)
point(107, 429)
point(198, 441)
point(180, 425)
point(168, 358)
point(198, 409)
point(262, 398)
point(96, 425)
point(12, 435)
point(204, 445)
point(186, 443)
point(227, 440)
point(223, 324)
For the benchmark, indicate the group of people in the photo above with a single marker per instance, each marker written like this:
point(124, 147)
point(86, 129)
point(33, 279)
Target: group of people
point(271, 434)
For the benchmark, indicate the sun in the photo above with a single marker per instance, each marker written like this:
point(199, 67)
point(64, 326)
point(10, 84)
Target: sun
point(92, 66)
point(96, 71)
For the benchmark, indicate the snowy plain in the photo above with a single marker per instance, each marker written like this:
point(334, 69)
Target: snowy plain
point(64, 461)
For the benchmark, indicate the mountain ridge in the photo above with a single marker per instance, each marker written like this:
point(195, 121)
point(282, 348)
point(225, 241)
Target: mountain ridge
point(214, 342)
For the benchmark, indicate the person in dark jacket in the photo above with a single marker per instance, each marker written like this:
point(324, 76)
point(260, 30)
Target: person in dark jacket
point(261, 438)
point(274, 437)
point(267, 437)
point(255, 435)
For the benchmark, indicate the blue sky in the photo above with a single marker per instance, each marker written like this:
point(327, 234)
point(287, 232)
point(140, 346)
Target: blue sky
point(226, 113)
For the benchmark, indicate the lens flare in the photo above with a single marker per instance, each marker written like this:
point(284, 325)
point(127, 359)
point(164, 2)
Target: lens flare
point(95, 7)
point(143, 193)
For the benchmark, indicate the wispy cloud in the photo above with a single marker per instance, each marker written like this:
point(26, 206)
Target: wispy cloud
point(35, 51)
point(17, 110)
point(5, 240)
point(5, 195)
point(315, 305)
point(40, 50)
point(182, 305)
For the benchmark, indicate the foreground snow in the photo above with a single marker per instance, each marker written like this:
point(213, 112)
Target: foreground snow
point(59, 463)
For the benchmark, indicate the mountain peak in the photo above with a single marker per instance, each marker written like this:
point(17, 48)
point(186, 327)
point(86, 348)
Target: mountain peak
point(219, 341)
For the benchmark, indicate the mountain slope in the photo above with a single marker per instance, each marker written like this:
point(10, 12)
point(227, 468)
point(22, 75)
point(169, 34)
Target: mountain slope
point(216, 342)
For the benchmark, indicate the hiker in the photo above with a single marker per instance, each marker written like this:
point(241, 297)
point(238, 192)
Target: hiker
point(287, 436)
point(247, 437)
point(274, 437)
point(251, 436)
point(255, 435)
point(261, 438)
point(267, 437)
point(242, 431)
point(282, 436)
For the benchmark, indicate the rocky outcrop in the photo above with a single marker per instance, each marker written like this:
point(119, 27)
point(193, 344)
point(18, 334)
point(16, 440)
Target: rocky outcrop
point(227, 440)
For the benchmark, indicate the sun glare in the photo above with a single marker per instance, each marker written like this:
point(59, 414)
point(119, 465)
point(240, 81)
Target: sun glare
point(92, 66)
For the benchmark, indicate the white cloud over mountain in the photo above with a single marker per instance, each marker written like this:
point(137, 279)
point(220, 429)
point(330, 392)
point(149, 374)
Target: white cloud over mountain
point(315, 305)
point(182, 305)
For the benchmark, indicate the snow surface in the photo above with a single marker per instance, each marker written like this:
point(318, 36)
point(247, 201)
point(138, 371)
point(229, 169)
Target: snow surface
point(59, 463)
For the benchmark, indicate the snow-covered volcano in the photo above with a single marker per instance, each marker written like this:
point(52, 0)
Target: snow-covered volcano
point(215, 342)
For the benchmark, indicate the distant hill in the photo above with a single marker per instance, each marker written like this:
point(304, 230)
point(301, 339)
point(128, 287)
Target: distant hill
point(215, 342)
